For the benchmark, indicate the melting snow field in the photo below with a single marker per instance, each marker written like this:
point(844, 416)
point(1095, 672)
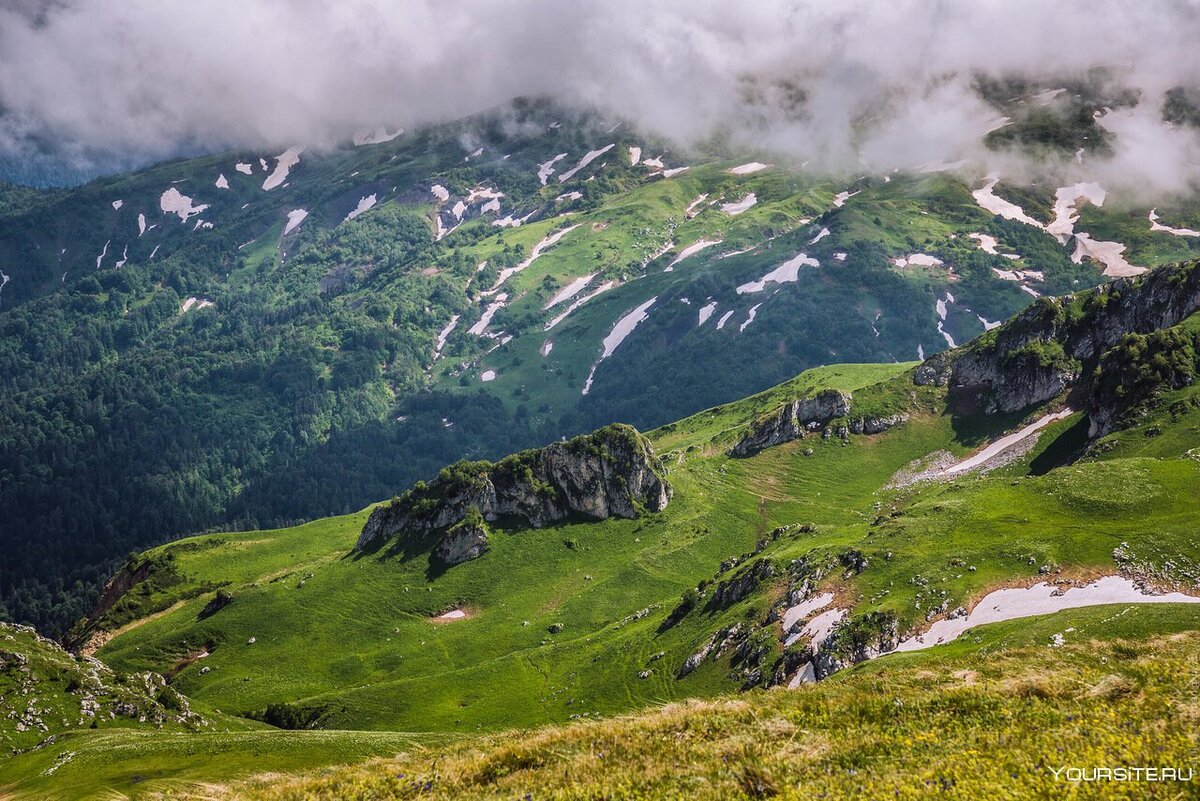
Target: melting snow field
point(942, 308)
point(1155, 225)
point(546, 168)
point(364, 204)
point(690, 211)
point(635, 155)
point(141, 224)
point(987, 243)
point(842, 197)
point(440, 192)
point(786, 273)
point(824, 233)
point(295, 217)
point(747, 169)
point(1110, 254)
point(283, 164)
point(570, 290)
point(918, 260)
point(750, 315)
point(990, 201)
point(443, 335)
point(607, 285)
point(244, 168)
point(1040, 599)
point(706, 311)
point(740, 206)
point(1065, 213)
point(692, 250)
point(1004, 443)
point(619, 333)
point(453, 614)
point(103, 253)
point(486, 319)
point(538, 249)
point(587, 159)
point(795, 614)
point(172, 202)
point(724, 319)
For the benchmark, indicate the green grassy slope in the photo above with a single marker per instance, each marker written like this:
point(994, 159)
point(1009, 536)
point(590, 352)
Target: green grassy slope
point(987, 719)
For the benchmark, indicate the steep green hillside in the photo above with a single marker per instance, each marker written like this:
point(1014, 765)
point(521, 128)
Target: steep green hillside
point(247, 340)
point(995, 720)
point(808, 533)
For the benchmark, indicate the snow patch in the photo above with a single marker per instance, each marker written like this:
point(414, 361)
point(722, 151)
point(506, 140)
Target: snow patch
point(607, 285)
point(440, 192)
point(375, 136)
point(364, 204)
point(172, 202)
point(750, 315)
point(706, 311)
point(587, 159)
point(570, 290)
point(1110, 254)
point(443, 335)
point(740, 206)
point(222, 182)
point(693, 249)
point(295, 217)
point(1065, 212)
point(1041, 599)
point(619, 333)
point(918, 260)
point(724, 319)
point(546, 168)
point(747, 169)
point(487, 375)
point(141, 224)
point(117, 204)
point(103, 253)
point(988, 200)
point(786, 273)
point(486, 319)
point(283, 165)
point(824, 233)
point(1155, 225)
point(635, 155)
point(538, 249)
point(842, 197)
point(244, 168)
point(690, 211)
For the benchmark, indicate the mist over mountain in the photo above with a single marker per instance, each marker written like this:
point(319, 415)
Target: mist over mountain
point(89, 88)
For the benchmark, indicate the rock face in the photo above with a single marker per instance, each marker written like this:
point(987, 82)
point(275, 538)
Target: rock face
point(612, 472)
point(461, 543)
point(791, 421)
point(1055, 343)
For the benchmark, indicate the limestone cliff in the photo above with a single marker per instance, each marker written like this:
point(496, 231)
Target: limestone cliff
point(612, 472)
point(1056, 344)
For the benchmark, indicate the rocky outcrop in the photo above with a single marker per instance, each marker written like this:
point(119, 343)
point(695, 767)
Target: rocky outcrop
point(876, 425)
point(1055, 343)
point(792, 421)
point(612, 472)
point(741, 585)
point(855, 640)
point(463, 542)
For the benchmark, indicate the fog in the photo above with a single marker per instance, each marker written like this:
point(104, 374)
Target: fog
point(848, 86)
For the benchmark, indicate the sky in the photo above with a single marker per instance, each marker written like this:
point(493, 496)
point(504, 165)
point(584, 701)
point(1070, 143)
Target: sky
point(107, 84)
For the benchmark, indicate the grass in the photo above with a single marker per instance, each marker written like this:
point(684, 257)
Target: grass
point(987, 720)
point(609, 585)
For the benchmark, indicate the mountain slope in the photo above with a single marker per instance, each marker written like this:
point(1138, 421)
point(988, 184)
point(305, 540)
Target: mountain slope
point(353, 320)
point(812, 533)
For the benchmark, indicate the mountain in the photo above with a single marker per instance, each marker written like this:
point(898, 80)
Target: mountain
point(248, 340)
point(1002, 532)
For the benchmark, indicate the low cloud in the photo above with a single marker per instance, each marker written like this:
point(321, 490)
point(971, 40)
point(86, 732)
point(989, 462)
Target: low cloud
point(848, 86)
